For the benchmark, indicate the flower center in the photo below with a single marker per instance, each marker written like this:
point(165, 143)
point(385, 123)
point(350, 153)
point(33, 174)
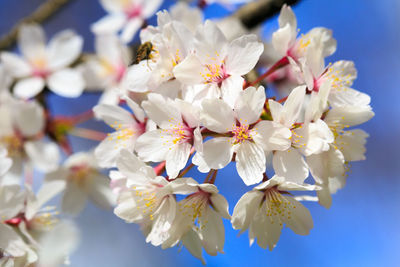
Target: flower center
point(44, 219)
point(241, 133)
point(340, 80)
point(133, 11)
point(39, 68)
point(277, 206)
point(181, 133)
point(125, 134)
point(194, 205)
point(13, 144)
point(146, 200)
point(214, 73)
point(80, 173)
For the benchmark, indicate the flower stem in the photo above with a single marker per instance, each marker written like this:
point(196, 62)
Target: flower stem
point(281, 63)
point(88, 134)
point(85, 116)
point(184, 171)
point(214, 176)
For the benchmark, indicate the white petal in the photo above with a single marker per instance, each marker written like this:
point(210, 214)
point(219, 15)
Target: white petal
point(64, 48)
point(137, 77)
point(130, 29)
point(177, 158)
point(272, 136)
point(231, 88)
point(250, 104)
point(212, 232)
point(74, 199)
point(243, 54)
point(281, 39)
point(114, 116)
point(287, 16)
point(348, 97)
point(137, 110)
point(67, 83)
point(250, 162)
point(352, 144)
point(127, 208)
point(154, 145)
point(162, 111)
point(15, 65)
point(112, 6)
point(32, 41)
point(349, 115)
point(300, 218)
point(201, 164)
point(5, 165)
point(53, 252)
point(292, 106)
point(164, 216)
point(108, 150)
point(192, 242)
point(54, 184)
point(217, 152)
point(217, 115)
point(11, 242)
point(108, 97)
point(291, 165)
point(188, 71)
point(100, 192)
point(313, 138)
point(29, 87)
point(45, 156)
point(109, 24)
point(276, 110)
point(267, 229)
point(129, 165)
point(220, 205)
point(190, 113)
point(29, 118)
point(245, 208)
point(210, 41)
point(150, 7)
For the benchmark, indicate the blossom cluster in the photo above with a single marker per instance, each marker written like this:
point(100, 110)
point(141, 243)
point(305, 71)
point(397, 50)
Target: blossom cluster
point(197, 95)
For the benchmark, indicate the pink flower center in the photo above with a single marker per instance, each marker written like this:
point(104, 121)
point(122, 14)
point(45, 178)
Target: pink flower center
point(133, 11)
point(182, 134)
point(241, 133)
point(215, 73)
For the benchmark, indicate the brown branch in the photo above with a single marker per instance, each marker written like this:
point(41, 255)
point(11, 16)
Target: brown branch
point(255, 13)
point(43, 12)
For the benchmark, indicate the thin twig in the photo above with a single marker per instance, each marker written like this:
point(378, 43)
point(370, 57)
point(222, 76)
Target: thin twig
point(255, 13)
point(43, 12)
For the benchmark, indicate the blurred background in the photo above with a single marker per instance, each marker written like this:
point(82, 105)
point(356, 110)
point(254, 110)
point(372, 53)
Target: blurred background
point(362, 226)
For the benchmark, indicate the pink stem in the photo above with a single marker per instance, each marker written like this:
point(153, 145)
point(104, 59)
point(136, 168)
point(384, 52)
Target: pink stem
point(281, 63)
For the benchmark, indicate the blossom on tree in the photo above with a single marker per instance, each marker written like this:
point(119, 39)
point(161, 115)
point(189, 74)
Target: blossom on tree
point(44, 65)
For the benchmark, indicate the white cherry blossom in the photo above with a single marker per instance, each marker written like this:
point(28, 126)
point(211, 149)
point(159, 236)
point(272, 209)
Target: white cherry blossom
point(144, 197)
point(266, 208)
point(241, 133)
point(107, 69)
point(80, 179)
point(178, 133)
point(42, 65)
point(199, 221)
point(128, 127)
point(22, 124)
point(286, 43)
point(126, 16)
point(218, 64)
